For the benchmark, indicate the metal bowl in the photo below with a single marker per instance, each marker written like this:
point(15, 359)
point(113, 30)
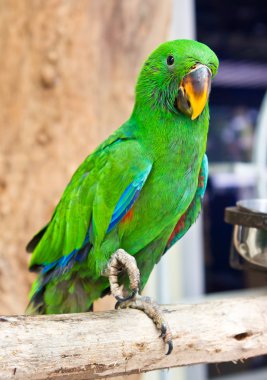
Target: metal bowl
point(251, 242)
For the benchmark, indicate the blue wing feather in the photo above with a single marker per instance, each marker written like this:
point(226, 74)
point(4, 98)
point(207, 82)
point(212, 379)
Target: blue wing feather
point(128, 198)
point(124, 204)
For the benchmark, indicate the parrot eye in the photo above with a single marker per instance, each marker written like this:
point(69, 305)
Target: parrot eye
point(170, 60)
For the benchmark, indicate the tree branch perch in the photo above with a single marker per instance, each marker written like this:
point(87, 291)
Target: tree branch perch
point(99, 345)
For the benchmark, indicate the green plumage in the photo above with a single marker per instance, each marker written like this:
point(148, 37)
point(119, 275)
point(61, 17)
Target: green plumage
point(153, 160)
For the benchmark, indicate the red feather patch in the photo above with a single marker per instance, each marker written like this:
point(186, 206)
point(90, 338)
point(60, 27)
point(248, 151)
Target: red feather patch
point(179, 226)
point(128, 216)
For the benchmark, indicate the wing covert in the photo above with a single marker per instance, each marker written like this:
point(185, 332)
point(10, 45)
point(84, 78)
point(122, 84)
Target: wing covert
point(98, 196)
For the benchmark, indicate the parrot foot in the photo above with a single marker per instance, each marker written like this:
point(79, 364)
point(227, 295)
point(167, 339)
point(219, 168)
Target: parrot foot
point(118, 262)
point(152, 310)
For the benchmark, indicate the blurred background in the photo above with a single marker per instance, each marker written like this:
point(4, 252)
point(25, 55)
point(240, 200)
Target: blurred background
point(67, 74)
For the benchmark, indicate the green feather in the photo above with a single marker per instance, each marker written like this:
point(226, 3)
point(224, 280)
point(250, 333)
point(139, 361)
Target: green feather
point(157, 140)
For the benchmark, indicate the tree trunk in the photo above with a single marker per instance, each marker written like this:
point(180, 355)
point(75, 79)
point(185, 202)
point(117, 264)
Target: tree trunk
point(67, 74)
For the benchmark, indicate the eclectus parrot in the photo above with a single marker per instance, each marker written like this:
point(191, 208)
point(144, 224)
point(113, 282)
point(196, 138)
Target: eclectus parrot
point(134, 196)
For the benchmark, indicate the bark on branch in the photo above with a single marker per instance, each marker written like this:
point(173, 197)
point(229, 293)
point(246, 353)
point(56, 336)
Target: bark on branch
point(99, 345)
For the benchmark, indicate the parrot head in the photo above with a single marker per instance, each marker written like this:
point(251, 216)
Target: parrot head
point(177, 77)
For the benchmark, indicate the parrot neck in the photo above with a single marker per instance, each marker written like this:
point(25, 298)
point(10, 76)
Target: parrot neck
point(169, 133)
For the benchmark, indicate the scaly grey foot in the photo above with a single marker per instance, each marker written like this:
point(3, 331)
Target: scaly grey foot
point(152, 310)
point(122, 261)
point(118, 262)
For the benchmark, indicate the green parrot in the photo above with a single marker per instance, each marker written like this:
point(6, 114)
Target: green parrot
point(135, 195)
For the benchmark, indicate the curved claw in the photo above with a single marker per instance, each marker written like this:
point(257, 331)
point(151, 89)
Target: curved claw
point(170, 347)
point(128, 298)
point(163, 335)
point(163, 331)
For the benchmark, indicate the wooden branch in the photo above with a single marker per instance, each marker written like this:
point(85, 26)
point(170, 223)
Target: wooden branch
point(99, 345)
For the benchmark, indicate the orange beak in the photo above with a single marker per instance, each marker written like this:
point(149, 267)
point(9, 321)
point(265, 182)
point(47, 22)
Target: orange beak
point(194, 91)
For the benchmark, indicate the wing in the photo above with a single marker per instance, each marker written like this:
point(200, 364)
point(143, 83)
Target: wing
point(98, 196)
point(191, 214)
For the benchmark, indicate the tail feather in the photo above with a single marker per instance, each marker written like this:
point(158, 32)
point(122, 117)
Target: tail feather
point(67, 296)
point(36, 304)
point(58, 288)
point(35, 240)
